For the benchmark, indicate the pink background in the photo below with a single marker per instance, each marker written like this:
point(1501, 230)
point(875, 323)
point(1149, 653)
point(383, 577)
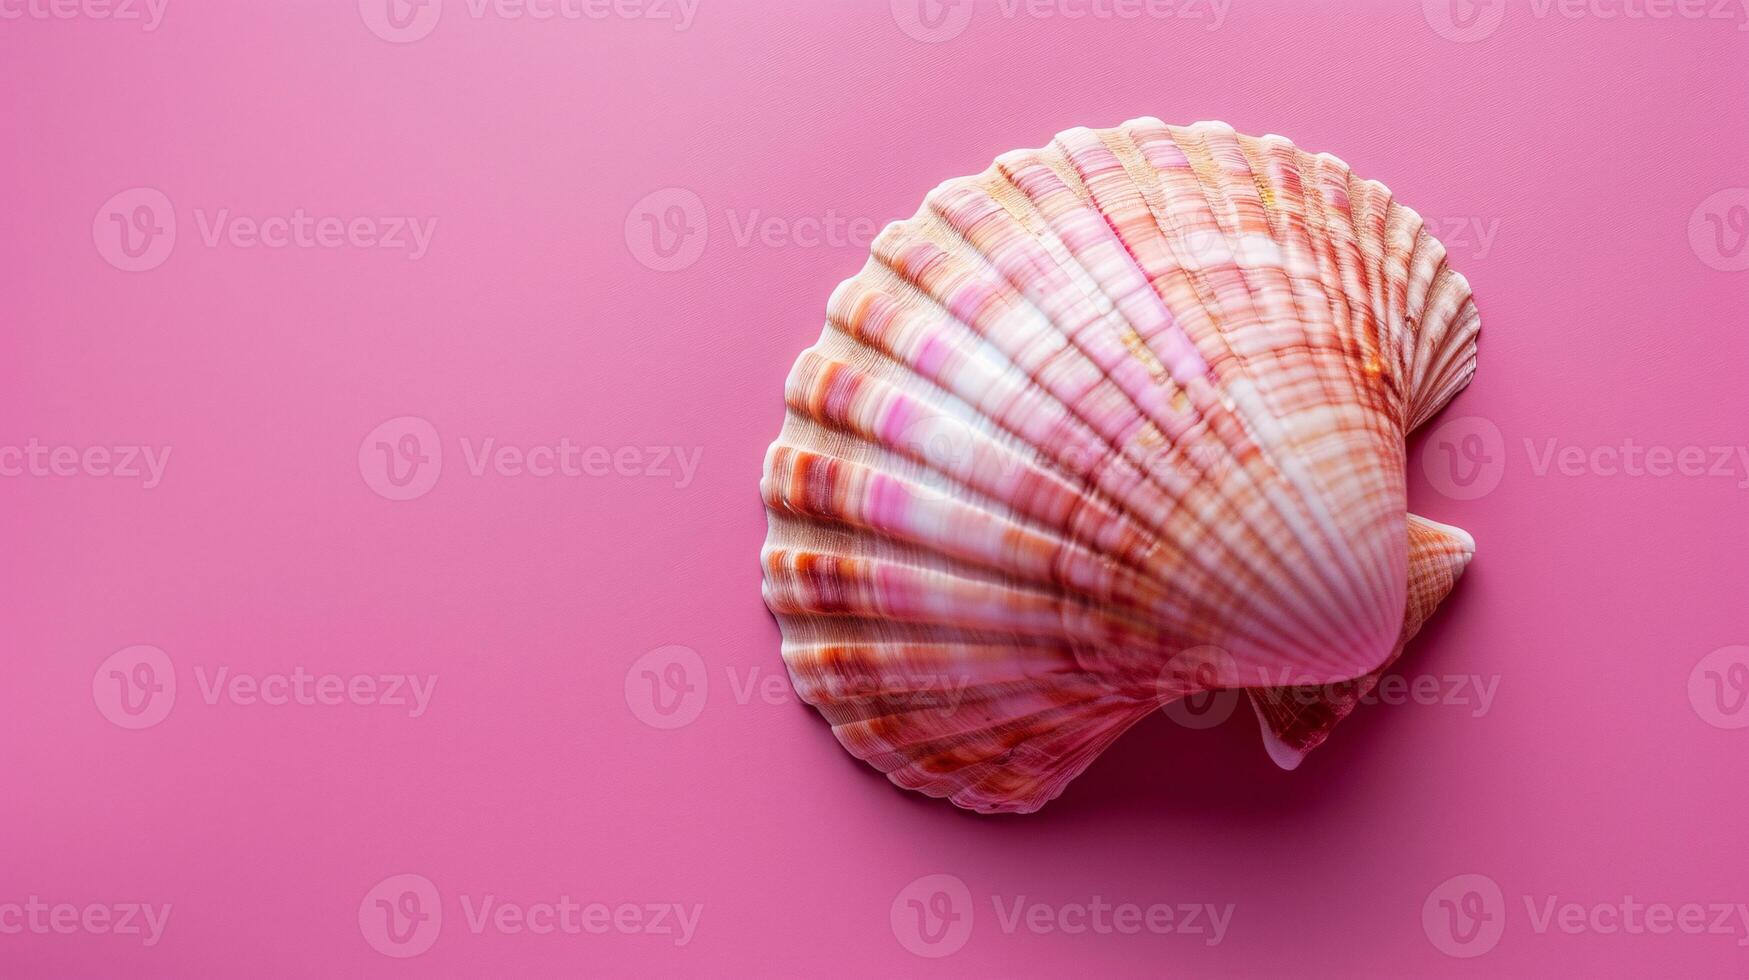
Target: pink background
point(1587, 143)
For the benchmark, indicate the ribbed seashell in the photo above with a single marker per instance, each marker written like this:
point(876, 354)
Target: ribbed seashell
point(1116, 421)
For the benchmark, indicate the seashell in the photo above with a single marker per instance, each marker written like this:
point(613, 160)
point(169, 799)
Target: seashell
point(1117, 421)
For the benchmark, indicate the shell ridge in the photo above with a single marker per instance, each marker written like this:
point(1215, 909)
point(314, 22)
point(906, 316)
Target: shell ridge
point(1070, 260)
point(1112, 453)
point(1115, 455)
point(1083, 297)
point(803, 582)
point(1279, 227)
point(1070, 565)
point(1193, 243)
point(1073, 340)
point(1336, 257)
point(1224, 207)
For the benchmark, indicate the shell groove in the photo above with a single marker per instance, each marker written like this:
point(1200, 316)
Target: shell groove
point(1116, 421)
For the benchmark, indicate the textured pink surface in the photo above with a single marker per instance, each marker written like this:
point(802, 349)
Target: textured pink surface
point(1586, 171)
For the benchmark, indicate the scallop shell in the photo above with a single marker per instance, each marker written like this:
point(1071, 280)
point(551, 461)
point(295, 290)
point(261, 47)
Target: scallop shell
point(1116, 421)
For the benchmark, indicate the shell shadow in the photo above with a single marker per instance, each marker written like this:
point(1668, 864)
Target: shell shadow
point(1162, 770)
